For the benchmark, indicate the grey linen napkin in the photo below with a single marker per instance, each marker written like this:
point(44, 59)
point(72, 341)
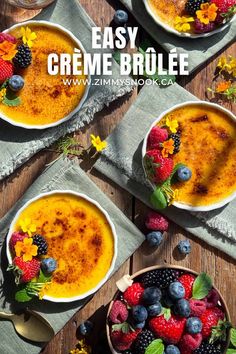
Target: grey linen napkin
point(18, 145)
point(200, 49)
point(121, 162)
point(63, 174)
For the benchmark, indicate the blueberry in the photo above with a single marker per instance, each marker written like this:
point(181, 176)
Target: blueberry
point(184, 247)
point(85, 328)
point(182, 308)
point(194, 325)
point(155, 309)
point(154, 238)
point(139, 325)
point(16, 82)
point(176, 290)
point(121, 17)
point(151, 295)
point(172, 349)
point(184, 174)
point(139, 313)
point(49, 265)
point(167, 301)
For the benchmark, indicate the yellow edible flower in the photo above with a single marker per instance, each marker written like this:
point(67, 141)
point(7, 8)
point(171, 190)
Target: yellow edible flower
point(232, 66)
point(168, 148)
point(97, 143)
point(175, 196)
point(27, 226)
point(28, 36)
point(172, 125)
point(26, 249)
point(223, 86)
point(208, 13)
point(7, 50)
point(182, 24)
point(2, 94)
point(81, 348)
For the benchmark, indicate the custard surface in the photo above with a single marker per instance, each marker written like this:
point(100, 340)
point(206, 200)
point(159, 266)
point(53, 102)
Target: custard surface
point(44, 98)
point(208, 148)
point(79, 237)
point(167, 10)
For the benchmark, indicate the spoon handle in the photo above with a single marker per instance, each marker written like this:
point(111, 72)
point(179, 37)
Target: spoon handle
point(5, 315)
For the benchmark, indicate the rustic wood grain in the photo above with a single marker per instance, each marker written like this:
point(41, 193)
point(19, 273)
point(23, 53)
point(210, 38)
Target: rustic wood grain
point(203, 257)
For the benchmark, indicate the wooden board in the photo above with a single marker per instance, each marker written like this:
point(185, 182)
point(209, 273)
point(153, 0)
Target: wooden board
point(202, 258)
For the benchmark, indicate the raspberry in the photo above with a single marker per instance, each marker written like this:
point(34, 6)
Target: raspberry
point(157, 135)
point(6, 70)
point(190, 341)
point(119, 312)
point(122, 340)
point(25, 271)
point(134, 294)
point(197, 307)
point(200, 27)
point(212, 299)
point(158, 168)
point(223, 5)
point(187, 281)
point(16, 237)
point(7, 37)
point(156, 222)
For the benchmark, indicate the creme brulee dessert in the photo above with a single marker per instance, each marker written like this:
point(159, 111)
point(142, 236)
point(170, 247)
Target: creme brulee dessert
point(45, 99)
point(78, 237)
point(191, 16)
point(208, 148)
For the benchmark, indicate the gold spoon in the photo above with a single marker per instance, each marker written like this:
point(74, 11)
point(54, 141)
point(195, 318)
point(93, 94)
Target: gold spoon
point(30, 325)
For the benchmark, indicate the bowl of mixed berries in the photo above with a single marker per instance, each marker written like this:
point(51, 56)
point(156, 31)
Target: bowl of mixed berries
point(168, 310)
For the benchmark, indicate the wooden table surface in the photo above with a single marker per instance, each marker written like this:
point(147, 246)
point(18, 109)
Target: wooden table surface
point(203, 257)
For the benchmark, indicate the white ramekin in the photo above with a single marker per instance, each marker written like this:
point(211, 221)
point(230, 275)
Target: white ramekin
point(80, 195)
point(70, 115)
point(144, 149)
point(170, 29)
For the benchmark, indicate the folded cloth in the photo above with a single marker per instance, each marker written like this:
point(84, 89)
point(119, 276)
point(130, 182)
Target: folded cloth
point(200, 49)
point(18, 145)
point(122, 162)
point(63, 175)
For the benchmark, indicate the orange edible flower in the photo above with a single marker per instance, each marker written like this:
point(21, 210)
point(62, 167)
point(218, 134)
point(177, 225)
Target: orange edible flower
point(7, 50)
point(208, 13)
point(168, 148)
point(26, 249)
point(223, 86)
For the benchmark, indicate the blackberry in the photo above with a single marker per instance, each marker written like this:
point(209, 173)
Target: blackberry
point(40, 241)
point(177, 142)
point(127, 352)
point(192, 6)
point(142, 342)
point(160, 278)
point(23, 57)
point(207, 348)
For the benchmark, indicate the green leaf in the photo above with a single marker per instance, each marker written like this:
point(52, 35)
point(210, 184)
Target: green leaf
point(167, 313)
point(22, 296)
point(43, 278)
point(156, 347)
point(116, 56)
point(219, 332)
point(158, 199)
point(231, 351)
point(11, 99)
point(233, 336)
point(201, 287)
point(124, 327)
point(144, 45)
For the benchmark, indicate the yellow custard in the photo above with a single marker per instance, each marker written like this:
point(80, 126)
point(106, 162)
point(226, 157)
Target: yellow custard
point(79, 237)
point(208, 148)
point(45, 98)
point(167, 10)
